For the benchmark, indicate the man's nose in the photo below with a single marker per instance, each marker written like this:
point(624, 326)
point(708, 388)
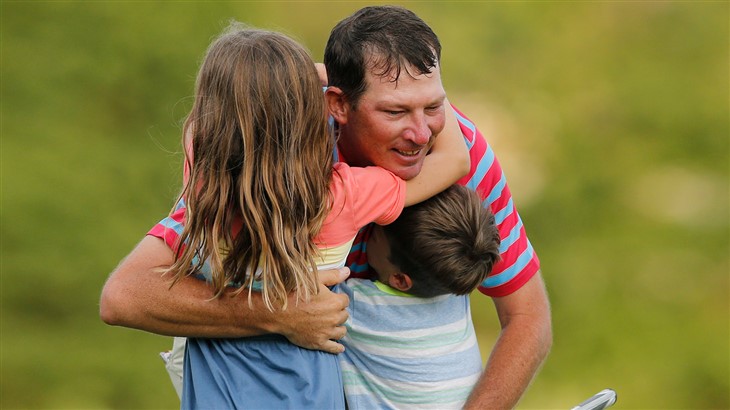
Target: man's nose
point(420, 132)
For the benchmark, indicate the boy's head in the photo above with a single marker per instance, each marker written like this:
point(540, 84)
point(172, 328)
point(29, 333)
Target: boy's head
point(446, 244)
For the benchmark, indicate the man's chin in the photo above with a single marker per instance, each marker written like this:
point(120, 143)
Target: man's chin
point(410, 172)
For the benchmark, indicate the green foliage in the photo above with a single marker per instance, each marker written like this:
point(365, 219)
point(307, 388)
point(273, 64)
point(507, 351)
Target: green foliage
point(610, 119)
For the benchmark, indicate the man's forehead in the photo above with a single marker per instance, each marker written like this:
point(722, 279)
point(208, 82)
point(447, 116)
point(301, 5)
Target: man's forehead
point(382, 71)
point(385, 89)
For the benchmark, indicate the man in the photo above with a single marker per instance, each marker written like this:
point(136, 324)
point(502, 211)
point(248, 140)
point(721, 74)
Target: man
point(386, 96)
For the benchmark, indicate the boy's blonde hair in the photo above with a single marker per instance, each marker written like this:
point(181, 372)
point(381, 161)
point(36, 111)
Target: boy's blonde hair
point(260, 167)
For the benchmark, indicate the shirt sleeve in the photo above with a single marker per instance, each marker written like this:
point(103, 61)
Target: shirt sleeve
point(375, 194)
point(519, 262)
point(170, 228)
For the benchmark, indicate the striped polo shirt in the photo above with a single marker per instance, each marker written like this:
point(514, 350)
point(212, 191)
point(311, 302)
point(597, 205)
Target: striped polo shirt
point(406, 352)
point(519, 262)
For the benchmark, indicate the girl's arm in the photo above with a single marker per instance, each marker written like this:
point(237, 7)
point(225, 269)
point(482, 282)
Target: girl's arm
point(447, 162)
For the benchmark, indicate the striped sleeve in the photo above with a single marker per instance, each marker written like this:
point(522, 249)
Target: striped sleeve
point(519, 262)
point(357, 259)
point(170, 228)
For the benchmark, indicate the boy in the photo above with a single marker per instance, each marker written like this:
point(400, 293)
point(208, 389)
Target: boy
point(410, 340)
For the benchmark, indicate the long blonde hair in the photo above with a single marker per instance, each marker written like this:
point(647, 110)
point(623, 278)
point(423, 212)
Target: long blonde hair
point(261, 157)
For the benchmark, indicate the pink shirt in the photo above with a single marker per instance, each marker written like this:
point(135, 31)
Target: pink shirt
point(359, 196)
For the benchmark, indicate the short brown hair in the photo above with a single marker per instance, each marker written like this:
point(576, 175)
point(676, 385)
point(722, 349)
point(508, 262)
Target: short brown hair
point(386, 39)
point(446, 244)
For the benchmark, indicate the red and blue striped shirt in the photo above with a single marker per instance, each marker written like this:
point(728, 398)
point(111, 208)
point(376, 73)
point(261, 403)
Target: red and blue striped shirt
point(519, 262)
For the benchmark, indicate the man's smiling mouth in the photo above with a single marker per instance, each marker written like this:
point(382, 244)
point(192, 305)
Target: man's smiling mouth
point(409, 153)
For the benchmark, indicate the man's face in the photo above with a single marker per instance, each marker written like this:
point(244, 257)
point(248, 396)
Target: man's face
point(395, 124)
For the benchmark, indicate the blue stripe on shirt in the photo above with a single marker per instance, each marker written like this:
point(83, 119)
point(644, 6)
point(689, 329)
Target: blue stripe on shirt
point(430, 369)
point(482, 168)
point(501, 215)
point(359, 247)
point(170, 223)
point(513, 236)
point(509, 273)
point(497, 190)
point(358, 268)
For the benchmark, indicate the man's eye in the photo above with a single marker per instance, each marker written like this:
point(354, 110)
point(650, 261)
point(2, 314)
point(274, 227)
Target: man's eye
point(394, 112)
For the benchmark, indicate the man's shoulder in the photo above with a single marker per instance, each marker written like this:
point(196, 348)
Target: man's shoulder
point(468, 128)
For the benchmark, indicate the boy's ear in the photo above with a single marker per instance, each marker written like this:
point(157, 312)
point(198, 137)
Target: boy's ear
point(400, 281)
point(336, 104)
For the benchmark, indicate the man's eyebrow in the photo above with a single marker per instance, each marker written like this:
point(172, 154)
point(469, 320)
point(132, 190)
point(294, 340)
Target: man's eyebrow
point(382, 104)
point(440, 100)
point(389, 103)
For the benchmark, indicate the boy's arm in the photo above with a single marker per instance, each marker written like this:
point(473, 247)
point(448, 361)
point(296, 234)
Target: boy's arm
point(521, 348)
point(447, 162)
point(138, 295)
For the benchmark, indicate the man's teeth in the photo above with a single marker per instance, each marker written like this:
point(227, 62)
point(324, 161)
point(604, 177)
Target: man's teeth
point(409, 153)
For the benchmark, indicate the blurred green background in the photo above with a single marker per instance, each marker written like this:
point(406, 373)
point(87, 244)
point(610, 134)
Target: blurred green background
point(610, 119)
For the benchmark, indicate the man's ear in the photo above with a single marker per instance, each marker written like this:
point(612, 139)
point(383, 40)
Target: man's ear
point(400, 281)
point(336, 104)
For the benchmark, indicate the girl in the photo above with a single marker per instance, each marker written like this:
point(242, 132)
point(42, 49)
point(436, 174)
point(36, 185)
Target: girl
point(264, 207)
